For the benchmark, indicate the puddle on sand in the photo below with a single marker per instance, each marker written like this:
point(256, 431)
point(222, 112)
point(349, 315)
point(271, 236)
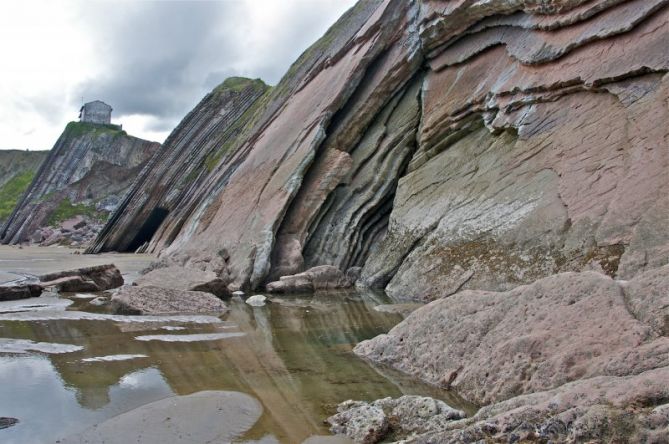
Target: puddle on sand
point(293, 357)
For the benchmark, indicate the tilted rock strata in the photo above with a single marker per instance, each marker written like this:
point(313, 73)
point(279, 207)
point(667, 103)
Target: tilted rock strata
point(441, 146)
point(88, 170)
point(158, 201)
point(17, 169)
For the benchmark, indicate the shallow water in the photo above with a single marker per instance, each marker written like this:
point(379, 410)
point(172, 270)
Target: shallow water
point(293, 356)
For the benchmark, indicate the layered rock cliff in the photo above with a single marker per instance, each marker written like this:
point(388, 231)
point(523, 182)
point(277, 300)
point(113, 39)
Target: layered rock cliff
point(17, 170)
point(457, 151)
point(84, 176)
point(440, 146)
point(160, 199)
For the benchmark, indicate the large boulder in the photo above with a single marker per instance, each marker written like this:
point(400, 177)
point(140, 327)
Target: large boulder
point(493, 346)
point(323, 277)
point(157, 300)
point(97, 278)
point(181, 278)
point(14, 292)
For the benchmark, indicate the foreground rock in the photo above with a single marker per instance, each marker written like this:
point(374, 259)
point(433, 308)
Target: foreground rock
point(257, 300)
point(208, 416)
point(157, 300)
point(88, 279)
point(7, 422)
point(612, 409)
point(584, 339)
point(323, 277)
point(180, 278)
point(14, 292)
point(368, 423)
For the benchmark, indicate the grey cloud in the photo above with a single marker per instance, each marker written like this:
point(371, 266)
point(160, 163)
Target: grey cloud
point(161, 57)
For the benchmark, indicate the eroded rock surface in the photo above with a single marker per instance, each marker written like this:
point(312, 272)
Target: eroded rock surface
point(87, 279)
point(158, 300)
point(574, 348)
point(181, 278)
point(159, 201)
point(399, 418)
point(323, 277)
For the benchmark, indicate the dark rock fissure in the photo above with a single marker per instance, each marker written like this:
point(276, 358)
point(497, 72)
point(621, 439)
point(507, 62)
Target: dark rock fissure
point(149, 228)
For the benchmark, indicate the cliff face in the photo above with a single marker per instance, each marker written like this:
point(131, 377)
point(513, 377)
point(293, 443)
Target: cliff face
point(158, 201)
point(442, 146)
point(85, 174)
point(17, 170)
point(433, 148)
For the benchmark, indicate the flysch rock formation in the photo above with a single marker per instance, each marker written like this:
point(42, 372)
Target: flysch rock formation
point(439, 146)
point(17, 170)
point(161, 197)
point(85, 174)
point(505, 159)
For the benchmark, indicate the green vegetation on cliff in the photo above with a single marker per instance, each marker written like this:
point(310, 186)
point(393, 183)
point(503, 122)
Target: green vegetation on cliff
point(237, 84)
point(11, 192)
point(76, 129)
point(67, 210)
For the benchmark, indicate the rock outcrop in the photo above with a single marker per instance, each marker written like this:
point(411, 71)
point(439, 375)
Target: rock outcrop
point(505, 159)
point(161, 199)
point(323, 277)
point(86, 174)
point(437, 146)
point(20, 291)
point(180, 278)
point(87, 279)
point(369, 423)
point(576, 355)
point(17, 170)
point(158, 300)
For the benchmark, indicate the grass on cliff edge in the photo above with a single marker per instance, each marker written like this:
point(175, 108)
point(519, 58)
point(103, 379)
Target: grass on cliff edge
point(67, 210)
point(11, 192)
point(75, 129)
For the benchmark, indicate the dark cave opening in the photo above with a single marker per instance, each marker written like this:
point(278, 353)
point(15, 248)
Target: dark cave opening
point(149, 228)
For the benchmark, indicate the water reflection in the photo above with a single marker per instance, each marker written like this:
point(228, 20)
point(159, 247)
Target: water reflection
point(293, 355)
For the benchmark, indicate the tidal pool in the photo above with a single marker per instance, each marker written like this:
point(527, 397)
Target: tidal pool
point(292, 355)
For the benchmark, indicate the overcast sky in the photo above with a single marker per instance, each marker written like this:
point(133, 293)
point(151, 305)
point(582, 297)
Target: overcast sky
point(152, 61)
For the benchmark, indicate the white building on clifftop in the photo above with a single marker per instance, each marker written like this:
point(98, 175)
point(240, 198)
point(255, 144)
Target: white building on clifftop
point(96, 111)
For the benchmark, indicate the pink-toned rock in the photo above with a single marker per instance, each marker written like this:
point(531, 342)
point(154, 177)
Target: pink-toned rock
point(181, 278)
point(323, 277)
point(157, 300)
point(97, 278)
point(490, 347)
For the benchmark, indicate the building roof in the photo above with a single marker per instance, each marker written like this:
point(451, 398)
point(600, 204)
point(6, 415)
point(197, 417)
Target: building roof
point(96, 101)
